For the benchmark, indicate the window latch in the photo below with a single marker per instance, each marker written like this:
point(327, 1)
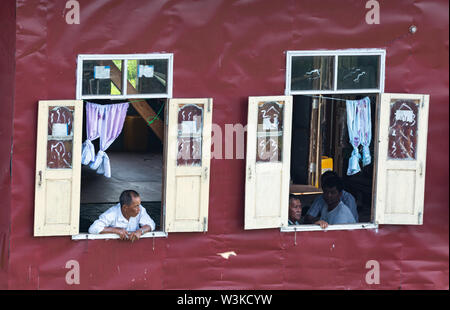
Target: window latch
point(205, 173)
point(40, 177)
point(204, 225)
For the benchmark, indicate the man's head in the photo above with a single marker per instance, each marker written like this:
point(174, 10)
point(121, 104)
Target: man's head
point(295, 208)
point(332, 187)
point(327, 174)
point(130, 202)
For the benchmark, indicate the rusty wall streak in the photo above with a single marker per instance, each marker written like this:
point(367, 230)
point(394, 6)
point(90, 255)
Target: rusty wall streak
point(230, 50)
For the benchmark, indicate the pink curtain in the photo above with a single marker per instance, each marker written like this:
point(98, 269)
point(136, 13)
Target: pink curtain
point(93, 118)
point(111, 119)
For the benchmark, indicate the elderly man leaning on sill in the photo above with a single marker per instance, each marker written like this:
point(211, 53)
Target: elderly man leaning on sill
point(128, 218)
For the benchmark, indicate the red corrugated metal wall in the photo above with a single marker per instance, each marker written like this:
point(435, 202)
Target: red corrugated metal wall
point(229, 50)
point(7, 61)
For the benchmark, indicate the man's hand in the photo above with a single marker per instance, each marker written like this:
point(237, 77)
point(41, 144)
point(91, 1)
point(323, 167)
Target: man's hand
point(123, 234)
point(135, 235)
point(322, 224)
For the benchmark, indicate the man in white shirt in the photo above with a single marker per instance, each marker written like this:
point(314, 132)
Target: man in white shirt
point(314, 212)
point(128, 219)
point(334, 211)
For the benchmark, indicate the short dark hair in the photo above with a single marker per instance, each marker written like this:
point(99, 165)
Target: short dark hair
point(327, 174)
point(127, 197)
point(333, 181)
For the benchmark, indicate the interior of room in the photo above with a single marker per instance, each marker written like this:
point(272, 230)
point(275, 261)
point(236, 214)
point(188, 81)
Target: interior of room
point(320, 142)
point(136, 160)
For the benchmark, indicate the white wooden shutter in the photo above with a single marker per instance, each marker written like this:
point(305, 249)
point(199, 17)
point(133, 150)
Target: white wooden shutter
point(402, 149)
point(268, 162)
point(188, 165)
point(58, 168)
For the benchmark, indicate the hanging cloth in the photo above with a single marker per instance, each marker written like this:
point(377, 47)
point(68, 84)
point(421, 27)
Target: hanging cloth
point(366, 130)
point(113, 118)
point(93, 120)
point(359, 132)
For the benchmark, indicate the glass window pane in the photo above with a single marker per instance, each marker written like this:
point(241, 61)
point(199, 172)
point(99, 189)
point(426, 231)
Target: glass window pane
point(147, 76)
point(312, 73)
point(358, 72)
point(60, 137)
point(102, 77)
point(269, 132)
point(403, 129)
point(190, 127)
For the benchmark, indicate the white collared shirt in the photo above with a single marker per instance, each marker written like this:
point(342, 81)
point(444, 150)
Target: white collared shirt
point(113, 217)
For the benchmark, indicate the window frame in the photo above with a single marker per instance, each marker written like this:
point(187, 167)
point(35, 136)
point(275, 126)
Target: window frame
point(88, 236)
point(80, 96)
point(378, 91)
point(335, 54)
point(124, 57)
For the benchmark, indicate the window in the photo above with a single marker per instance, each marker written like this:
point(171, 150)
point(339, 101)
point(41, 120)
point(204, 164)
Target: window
point(178, 194)
point(334, 72)
point(313, 137)
point(124, 76)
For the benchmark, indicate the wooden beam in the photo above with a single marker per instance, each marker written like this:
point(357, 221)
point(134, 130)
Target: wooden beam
point(141, 106)
point(148, 114)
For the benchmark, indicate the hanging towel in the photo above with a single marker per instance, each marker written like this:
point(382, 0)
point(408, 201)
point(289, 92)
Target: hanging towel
point(366, 130)
point(359, 131)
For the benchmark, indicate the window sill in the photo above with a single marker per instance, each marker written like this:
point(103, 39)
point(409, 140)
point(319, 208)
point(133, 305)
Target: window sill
point(86, 236)
point(295, 228)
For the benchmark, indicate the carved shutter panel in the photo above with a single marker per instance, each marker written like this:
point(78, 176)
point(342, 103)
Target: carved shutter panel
point(402, 150)
point(188, 164)
point(268, 162)
point(58, 168)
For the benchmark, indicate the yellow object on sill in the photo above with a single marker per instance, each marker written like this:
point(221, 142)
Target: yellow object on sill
point(327, 164)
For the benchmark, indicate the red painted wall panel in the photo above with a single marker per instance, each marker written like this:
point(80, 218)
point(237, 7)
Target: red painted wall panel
point(7, 63)
point(229, 50)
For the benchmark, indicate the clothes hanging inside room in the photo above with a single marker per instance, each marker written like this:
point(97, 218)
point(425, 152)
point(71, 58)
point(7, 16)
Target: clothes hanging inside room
point(104, 122)
point(359, 126)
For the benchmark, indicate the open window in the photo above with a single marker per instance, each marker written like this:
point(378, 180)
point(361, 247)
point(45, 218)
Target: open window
point(320, 85)
point(155, 153)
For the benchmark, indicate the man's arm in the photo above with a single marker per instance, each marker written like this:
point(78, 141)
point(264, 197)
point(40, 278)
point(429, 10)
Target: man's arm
point(123, 234)
point(309, 219)
point(146, 220)
point(103, 225)
point(313, 214)
point(136, 235)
